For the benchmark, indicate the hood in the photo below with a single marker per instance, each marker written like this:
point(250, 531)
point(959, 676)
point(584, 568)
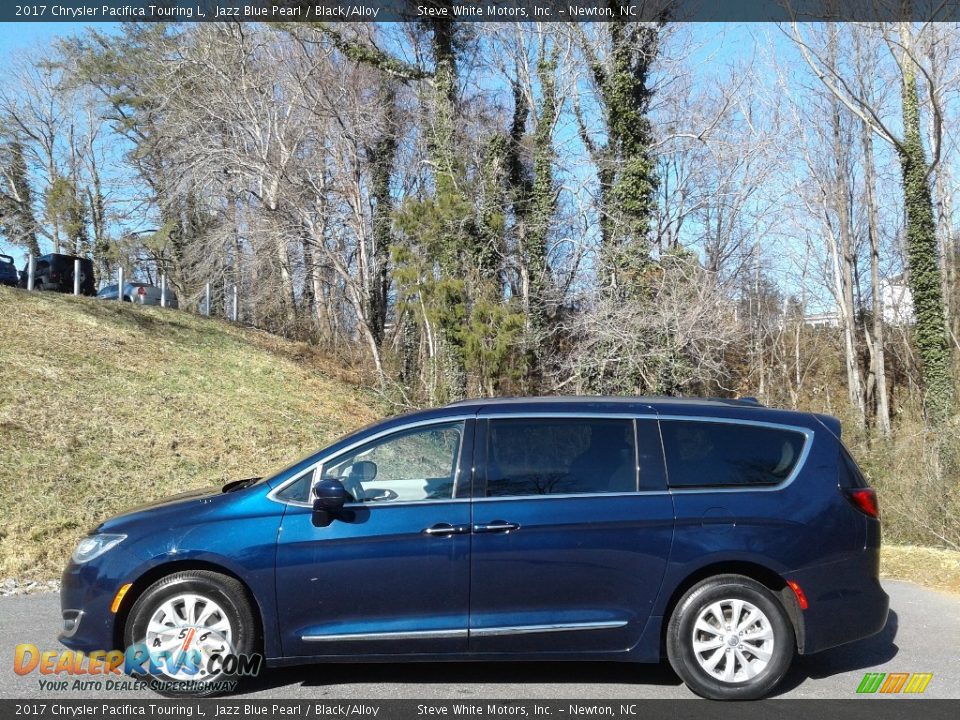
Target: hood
point(187, 502)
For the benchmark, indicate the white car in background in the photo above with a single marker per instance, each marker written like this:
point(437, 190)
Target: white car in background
point(140, 293)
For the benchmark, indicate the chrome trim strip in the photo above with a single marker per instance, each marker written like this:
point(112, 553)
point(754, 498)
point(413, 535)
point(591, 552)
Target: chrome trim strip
point(473, 632)
point(400, 635)
point(568, 496)
point(553, 627)
point(370, 438)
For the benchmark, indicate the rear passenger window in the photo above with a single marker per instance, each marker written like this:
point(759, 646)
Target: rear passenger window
point(554, 456)
point(710, 454)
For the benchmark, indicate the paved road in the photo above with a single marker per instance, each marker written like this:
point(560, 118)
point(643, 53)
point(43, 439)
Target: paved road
point(922, 635)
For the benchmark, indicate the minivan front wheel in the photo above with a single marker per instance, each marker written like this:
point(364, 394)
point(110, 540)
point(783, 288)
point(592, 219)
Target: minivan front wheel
point(188, 623)
point(729, 638)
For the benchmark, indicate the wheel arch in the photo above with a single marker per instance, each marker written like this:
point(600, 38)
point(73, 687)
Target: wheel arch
point(762, 574)
point(151, 575)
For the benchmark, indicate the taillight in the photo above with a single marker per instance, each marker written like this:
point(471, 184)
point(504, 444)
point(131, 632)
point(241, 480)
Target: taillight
point(864, 500)
point(141, 291)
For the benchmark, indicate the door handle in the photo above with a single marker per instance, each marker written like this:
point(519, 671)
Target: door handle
point(497, 526)
point(446, 530)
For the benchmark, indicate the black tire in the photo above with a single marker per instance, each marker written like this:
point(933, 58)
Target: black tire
point(227, 592)
point(680, 640)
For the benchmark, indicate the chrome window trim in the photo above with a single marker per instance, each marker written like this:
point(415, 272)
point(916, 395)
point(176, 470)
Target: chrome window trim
point(808, 434)
point(318, 465)
point(468, 632)
point(569, 496)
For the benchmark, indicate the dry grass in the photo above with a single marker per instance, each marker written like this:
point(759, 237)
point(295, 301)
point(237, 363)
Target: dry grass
point(930, 567)
point(104, 406)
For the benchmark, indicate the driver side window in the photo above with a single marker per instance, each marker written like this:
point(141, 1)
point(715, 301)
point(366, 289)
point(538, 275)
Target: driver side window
point(411, 465)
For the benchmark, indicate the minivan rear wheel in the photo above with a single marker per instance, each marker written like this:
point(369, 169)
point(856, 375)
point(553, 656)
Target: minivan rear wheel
point(729, 638)
point(189, 617)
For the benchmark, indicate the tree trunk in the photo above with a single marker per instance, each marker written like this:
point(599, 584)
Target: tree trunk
point(878, 354)
point(845, 257)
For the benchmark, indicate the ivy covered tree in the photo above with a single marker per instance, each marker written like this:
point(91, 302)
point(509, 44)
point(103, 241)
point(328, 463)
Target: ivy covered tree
point(626, 168)
point(933, 345)
point(924, 274)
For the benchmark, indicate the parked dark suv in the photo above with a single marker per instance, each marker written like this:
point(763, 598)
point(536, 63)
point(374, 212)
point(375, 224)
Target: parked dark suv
point(727, 536)
point(55, 272)
point(8, 271)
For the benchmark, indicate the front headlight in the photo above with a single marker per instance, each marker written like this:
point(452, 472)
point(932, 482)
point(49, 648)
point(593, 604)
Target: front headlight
point(94, 546)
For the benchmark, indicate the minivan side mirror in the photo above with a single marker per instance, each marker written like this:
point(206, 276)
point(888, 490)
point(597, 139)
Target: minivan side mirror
point(330, 496)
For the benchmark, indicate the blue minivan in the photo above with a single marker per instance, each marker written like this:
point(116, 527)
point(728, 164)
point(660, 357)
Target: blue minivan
point(722, 535)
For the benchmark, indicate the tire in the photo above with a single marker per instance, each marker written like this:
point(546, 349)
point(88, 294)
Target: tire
point(226, 600)
point(760, 651)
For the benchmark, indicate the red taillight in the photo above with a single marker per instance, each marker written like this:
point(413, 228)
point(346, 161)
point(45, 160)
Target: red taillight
point(864, 500)
point(141, 291)
point(798, 591)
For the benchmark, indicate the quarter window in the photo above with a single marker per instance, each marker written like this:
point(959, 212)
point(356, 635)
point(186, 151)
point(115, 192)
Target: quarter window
point(298, 490)
point(709, 454)
point(545, 456)
point(411, 465)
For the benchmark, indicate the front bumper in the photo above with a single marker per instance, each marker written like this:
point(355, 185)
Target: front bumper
point(86, 593)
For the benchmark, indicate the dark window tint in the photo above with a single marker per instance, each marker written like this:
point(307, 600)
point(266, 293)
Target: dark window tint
point(850, 475)
point(650, 456)
point(546, 456)
point(714, 453)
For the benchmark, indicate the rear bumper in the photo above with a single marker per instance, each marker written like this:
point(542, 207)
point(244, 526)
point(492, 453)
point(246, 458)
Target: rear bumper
point(846, 602)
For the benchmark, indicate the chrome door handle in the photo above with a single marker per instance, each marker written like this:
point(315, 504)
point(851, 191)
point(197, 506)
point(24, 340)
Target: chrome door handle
point(497, 526)
point(446, 530)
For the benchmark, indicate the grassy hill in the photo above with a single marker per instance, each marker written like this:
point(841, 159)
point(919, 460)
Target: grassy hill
point(104, 405)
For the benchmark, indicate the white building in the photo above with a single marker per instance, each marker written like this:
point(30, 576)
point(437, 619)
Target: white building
point(896, 300)
point(829, 319)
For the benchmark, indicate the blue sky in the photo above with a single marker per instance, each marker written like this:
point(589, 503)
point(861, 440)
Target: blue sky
point(16, 37)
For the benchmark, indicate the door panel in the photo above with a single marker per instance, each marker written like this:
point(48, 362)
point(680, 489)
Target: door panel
point(593, 564)
point(578, 565)
point(376, 572)
point(390, 574)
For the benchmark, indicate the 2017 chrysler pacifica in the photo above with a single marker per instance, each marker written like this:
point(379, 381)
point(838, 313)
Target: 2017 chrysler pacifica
point(726, 536)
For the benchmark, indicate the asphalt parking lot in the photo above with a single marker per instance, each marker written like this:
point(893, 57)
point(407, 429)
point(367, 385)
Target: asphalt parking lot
point(922, 635)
